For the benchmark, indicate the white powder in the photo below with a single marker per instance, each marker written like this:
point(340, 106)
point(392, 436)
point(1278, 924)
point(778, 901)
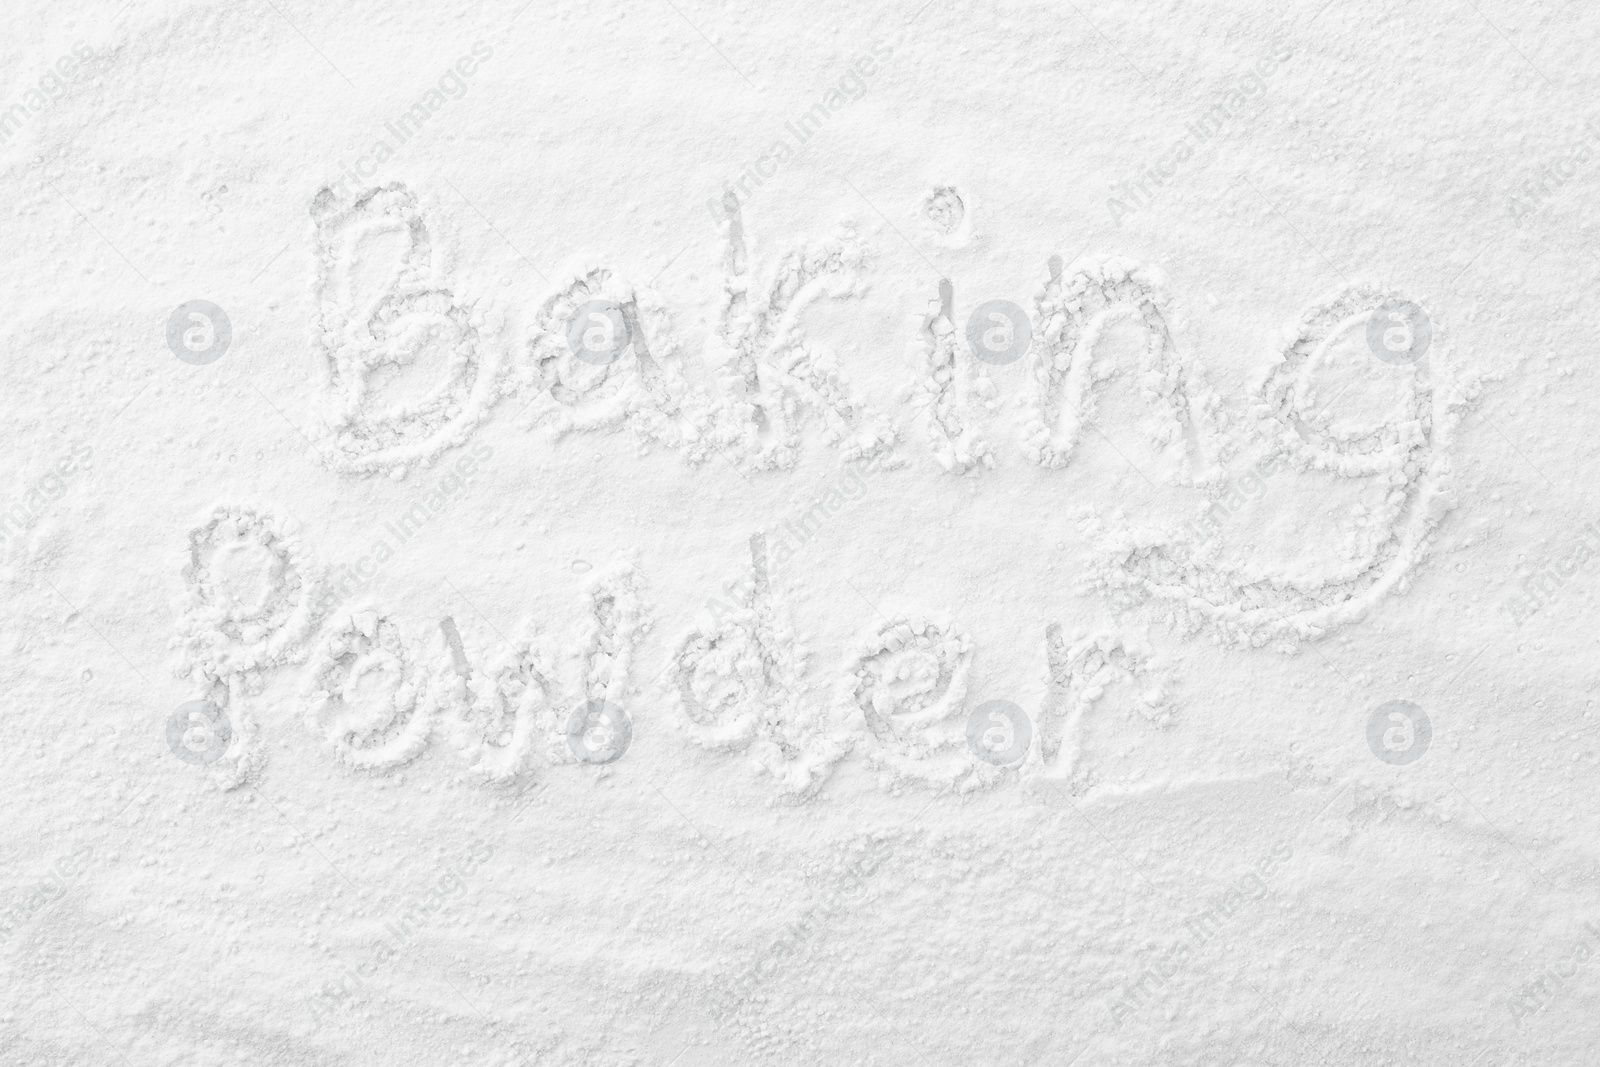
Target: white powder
point(688, 534)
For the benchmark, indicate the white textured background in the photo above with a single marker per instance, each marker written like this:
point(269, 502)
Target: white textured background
point(624, 910)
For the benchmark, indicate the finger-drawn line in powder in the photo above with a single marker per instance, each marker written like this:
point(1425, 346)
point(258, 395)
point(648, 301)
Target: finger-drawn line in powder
point(510, 708)
point(1075, 311)
point(1078, 674)
point(249, 607)
point(736, 683)
point(1407, 453)
point(366, 692)
point(945, 213)
point(452, 636)
point(949, 388)
point(777, 376)
point(906, 683)
point(601, 655)
point(944, 210)
point(632, 378)
point(495, 703)
point(383, 323)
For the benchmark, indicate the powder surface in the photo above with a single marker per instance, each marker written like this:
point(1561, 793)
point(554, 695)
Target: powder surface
point(654, 533)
